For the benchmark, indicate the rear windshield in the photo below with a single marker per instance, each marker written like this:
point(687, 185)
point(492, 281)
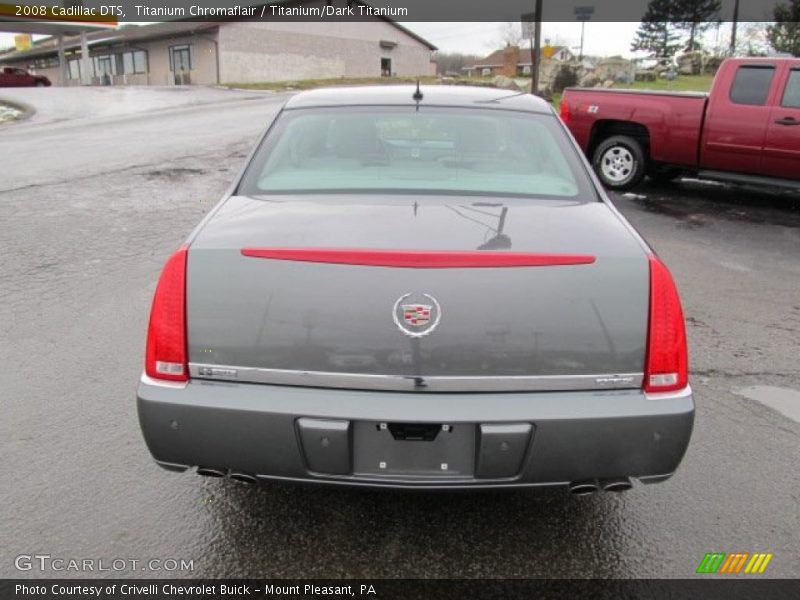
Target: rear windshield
point(430, 150)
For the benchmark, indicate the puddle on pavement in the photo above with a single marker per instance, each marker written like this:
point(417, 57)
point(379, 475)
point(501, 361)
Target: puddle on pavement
point(685, 213)
point(696, 203)
point(785, 400)
point(172, 173)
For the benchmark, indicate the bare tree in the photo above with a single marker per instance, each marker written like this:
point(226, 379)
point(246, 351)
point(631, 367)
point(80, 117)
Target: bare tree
point(752, 39)
point(510, 34)
point(452, 62)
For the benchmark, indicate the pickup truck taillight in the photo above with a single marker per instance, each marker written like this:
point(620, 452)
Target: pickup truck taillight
point(565, 111)
point(166, 335)
point(667, 363)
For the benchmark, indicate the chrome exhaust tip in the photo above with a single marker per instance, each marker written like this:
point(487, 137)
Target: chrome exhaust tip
point(210, 472)
point(583, 488)
point(244, 478)
point(617, 484)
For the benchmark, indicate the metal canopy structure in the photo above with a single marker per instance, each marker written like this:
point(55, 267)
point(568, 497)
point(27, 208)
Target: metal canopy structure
point(9, 25)
point(54, 26)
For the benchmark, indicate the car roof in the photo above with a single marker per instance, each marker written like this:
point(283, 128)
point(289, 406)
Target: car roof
point(432, 95)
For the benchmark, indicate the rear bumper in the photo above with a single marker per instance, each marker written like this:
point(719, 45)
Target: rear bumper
point(335, 437)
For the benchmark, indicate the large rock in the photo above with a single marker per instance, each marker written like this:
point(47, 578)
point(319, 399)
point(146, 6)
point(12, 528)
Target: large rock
point(695, 63)
point(612, 68)
point(556, 75)
point(589, 80)
point(506, 83)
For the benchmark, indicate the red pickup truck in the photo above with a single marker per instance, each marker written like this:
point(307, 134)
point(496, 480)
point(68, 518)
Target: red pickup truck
point(745, 130)
point(16, 77)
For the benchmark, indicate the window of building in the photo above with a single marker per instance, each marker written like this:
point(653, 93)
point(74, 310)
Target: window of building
point(526, 70)
point(74, 65)
point(134, 62)
point(140, 62)
point(791, 95)
point(104, 66)
point(180, 58)
point(46, 63)
point(486, 71)
point(751, 84)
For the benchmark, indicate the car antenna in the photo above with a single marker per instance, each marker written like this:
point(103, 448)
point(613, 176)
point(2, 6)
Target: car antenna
point(417, 96)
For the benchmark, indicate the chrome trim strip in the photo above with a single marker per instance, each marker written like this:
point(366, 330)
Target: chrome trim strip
point(175, 385)
point(369, 381)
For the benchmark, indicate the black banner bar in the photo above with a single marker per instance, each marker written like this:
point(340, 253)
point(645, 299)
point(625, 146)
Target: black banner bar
point(363, 10)
point(731, 588)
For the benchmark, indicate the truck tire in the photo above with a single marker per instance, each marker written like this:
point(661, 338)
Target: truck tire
point(619, 162)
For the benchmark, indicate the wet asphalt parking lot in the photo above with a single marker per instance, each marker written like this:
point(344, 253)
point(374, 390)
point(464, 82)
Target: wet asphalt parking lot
point(90, 208)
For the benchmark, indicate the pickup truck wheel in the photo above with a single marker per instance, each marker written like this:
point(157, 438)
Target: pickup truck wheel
point(619, 162)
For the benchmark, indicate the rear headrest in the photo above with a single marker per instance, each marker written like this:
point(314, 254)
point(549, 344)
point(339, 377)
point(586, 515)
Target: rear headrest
point(310, 139)
point(354, 137)
point(478, 137)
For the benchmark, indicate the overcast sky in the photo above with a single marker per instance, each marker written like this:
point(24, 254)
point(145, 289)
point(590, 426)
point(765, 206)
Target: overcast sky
point(483, 38)
point(601, 38)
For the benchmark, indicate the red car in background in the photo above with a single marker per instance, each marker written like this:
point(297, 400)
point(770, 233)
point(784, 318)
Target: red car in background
point(16, 77)
point(745, 130)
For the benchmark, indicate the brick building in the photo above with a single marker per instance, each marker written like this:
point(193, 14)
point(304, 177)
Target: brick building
point(212, 52)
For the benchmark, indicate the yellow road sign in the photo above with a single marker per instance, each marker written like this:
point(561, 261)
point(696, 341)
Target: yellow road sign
point(23, 41)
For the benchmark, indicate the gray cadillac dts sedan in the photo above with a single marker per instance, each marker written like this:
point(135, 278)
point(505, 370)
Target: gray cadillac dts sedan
point(418, 289)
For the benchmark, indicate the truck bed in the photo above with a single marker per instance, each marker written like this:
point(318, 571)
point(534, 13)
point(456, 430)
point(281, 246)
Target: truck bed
point(645, 92)
point(669, 123)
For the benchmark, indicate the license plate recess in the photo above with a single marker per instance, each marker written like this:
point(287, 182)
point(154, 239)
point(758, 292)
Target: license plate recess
point(414, 449)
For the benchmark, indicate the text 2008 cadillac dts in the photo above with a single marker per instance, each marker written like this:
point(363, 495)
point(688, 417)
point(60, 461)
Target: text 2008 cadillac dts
point(419, 289)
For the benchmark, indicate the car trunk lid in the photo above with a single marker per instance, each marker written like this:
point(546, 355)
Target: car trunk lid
point(417, 292)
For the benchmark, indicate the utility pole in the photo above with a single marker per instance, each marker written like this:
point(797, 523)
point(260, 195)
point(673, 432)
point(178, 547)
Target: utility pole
point(732, 50)
point(532, 29)
point(536, 50)
point(529, 31)
point(583, 14)
point(580, 54)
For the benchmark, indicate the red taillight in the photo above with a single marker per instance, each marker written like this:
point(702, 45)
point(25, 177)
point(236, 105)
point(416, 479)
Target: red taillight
point(667, 365)
point(564, 111)
point(166, 335)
